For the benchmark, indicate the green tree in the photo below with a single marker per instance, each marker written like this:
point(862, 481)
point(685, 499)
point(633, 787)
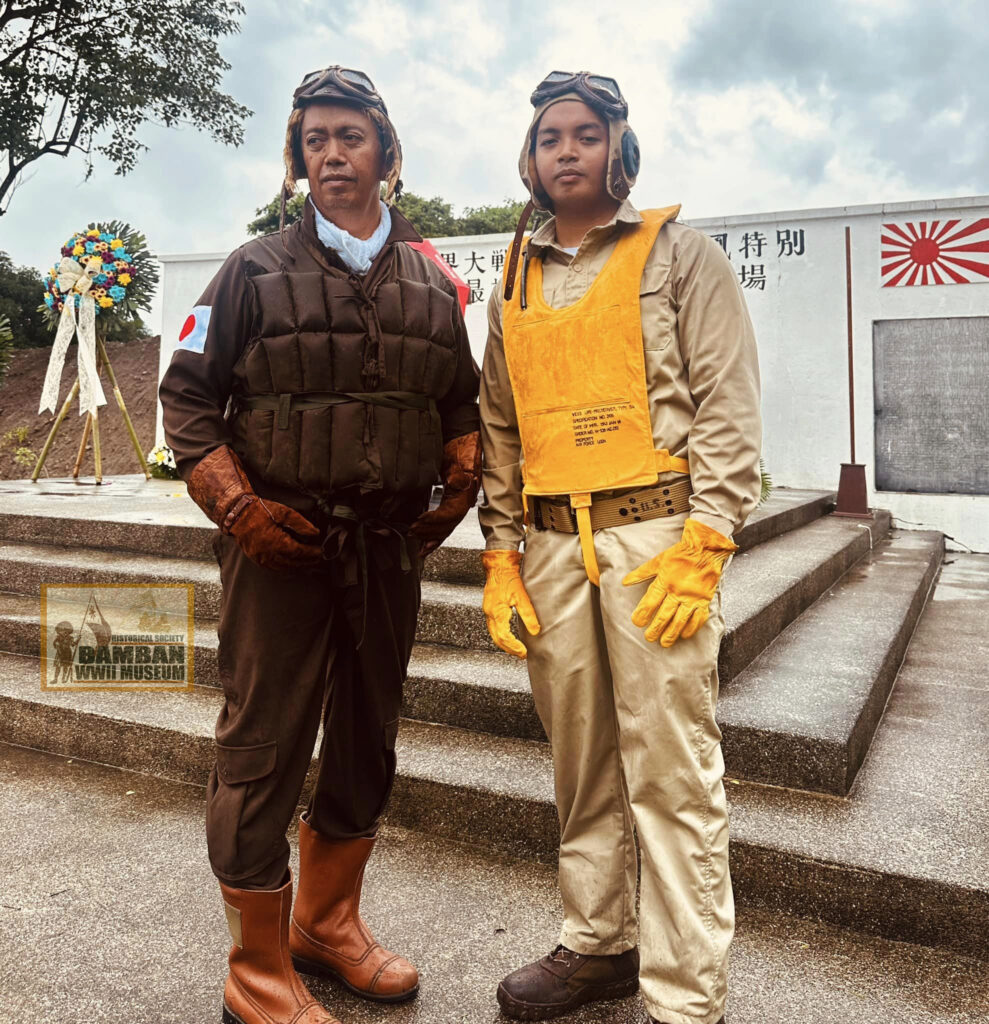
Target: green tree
point(266, 221)
point(491, 220)
point(71, 73)
point(21, 289)
point(432, 218)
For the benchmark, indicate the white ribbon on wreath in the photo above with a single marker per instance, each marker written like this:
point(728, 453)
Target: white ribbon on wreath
point(75, 279)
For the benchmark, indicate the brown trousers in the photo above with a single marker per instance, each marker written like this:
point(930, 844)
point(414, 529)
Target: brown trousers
point(290, 654)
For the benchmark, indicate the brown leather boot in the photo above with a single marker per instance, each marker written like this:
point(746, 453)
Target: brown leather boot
point(563, 980)
point(327, 936)
point(262, 986)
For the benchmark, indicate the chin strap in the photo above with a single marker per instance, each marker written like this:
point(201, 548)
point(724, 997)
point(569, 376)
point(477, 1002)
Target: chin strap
point(513, 258)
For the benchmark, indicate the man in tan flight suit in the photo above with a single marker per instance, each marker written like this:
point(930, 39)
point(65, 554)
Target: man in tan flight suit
point(621, 384)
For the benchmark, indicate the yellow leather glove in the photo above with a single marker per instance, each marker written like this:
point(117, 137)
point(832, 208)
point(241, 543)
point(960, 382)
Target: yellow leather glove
point(503, 591)
point(686, 577)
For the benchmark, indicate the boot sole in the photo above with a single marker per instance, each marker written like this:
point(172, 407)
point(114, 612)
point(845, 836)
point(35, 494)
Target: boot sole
point(229, 1017)
point(315, 970)
point(521, 1010)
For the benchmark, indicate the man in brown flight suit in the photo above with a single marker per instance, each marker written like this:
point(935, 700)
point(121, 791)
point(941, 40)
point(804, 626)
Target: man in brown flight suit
point(320, 387)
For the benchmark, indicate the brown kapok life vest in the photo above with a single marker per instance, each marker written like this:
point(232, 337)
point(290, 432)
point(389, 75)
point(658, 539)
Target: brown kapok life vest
point(329, 334)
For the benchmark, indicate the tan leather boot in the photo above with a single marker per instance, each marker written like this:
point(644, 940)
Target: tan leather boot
point(262, 986)
point(327, 936)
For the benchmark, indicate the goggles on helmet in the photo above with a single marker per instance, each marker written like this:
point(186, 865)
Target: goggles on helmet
point(336, 83)
point(599, 91)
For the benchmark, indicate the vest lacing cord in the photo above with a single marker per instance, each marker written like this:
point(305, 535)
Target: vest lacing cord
point(349, 525)
point(374, 364)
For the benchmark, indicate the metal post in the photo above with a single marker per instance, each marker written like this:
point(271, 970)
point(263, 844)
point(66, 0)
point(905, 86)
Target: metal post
point(851, 347)
point(853, 498)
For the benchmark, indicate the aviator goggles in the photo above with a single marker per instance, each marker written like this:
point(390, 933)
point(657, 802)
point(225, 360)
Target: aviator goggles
point(596, 89)
point(337, 83)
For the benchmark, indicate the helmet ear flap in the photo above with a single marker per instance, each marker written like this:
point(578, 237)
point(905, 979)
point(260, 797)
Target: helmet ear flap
point(631, 157)
point(625, 160)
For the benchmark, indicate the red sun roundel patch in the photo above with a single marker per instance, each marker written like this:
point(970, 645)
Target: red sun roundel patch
point(192, 337)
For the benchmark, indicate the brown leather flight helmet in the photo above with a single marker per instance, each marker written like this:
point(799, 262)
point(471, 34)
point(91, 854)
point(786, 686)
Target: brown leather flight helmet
point(601, 94)
point(343, 85)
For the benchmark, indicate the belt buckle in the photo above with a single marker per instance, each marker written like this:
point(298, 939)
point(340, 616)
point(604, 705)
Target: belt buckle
point(564, 508)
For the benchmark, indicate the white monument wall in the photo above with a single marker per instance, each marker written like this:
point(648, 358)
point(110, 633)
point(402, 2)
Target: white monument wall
point(792, 269)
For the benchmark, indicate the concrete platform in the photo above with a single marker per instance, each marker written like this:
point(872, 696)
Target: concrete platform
point(109, 915)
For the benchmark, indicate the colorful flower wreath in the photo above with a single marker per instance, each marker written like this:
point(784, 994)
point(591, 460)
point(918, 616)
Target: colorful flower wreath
point(115, 269)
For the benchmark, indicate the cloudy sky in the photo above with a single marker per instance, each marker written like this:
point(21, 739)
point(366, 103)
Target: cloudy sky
point(741, 106)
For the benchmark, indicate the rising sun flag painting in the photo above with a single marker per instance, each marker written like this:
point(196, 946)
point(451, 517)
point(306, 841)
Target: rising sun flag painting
point(935, 252)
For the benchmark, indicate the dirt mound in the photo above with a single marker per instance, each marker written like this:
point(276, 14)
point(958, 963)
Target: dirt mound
point(135, 365)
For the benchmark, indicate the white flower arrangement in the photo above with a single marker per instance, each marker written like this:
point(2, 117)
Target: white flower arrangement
point(162, 462)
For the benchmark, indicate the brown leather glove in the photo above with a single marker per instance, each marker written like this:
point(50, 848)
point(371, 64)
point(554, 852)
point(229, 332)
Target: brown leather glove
point(265, 530)
point(461, 474)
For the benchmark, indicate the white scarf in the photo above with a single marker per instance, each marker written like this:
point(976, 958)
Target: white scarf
point(357, 253)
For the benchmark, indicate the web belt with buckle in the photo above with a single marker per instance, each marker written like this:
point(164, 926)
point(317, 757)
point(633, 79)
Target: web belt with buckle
point(657, 502)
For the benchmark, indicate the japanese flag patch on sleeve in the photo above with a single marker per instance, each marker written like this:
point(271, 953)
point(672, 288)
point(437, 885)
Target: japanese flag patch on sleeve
point(192, 337)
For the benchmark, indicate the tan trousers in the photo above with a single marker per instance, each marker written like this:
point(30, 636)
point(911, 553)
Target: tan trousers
point(634, 743)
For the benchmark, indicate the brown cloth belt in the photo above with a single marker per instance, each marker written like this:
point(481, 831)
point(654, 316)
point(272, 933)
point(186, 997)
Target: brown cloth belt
point(287, 401)
point(667, 499)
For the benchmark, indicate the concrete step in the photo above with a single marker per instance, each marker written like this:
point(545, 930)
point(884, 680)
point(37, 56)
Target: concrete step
point(765, 588)
point(769, 586)
point(476, 690)
point(129, 513)
point(902, 856)
point(458, 561)
point(428, 898)
point(451, 612)
point(481, 690)
point(450, 781)
point(801, 715)
point(804, 712)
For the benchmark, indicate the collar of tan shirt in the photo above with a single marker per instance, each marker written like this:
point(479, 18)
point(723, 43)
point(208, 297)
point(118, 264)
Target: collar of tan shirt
point(544, 237)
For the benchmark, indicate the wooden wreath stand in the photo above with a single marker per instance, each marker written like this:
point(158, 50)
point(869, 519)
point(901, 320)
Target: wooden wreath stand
point(92, 423)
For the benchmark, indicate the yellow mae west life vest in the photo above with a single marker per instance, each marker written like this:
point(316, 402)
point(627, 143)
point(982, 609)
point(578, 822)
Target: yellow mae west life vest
point(578, 378)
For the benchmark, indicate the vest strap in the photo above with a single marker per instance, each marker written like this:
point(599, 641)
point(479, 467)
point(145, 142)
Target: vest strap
point(666, 463)
point(285, 402)
point(581, 504)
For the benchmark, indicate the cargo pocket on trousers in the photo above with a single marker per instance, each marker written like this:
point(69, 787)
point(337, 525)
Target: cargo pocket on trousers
point(233, 848)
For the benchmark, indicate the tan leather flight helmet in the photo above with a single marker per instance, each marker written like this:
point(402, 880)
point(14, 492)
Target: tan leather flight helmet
point(603, 95)
point(345, 85)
